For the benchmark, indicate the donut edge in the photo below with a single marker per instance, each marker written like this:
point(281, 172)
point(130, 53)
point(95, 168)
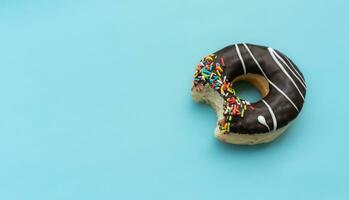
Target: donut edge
point(250, 139)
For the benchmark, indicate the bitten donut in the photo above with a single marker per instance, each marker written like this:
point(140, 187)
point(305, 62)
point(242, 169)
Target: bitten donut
point(281, 84)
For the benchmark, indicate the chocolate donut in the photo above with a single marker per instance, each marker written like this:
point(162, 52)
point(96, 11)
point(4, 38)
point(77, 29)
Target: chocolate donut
point(281, 84)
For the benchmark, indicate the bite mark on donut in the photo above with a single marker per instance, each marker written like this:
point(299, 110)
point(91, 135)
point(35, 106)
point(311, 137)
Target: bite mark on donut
point(209, 73)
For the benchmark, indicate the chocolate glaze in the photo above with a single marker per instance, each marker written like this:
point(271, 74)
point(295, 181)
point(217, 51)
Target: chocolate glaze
point(280, 106)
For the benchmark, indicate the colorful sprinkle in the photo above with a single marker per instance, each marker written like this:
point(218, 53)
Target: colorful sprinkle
point(222, 61)
point(208, 72)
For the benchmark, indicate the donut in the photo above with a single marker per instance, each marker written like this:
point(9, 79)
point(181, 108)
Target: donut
point(277, 78)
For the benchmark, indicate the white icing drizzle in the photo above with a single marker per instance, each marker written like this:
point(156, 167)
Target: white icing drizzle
point(262, 121)
point(240, 57)
point(271, 51)
point(284, 62)
point(272, 115)
point(301, 77)
point(271, 83)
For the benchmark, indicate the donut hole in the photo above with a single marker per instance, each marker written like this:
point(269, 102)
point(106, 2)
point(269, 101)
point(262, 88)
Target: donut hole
point(251, 87)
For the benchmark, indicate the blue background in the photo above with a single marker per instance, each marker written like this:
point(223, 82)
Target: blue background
point(95, 100)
